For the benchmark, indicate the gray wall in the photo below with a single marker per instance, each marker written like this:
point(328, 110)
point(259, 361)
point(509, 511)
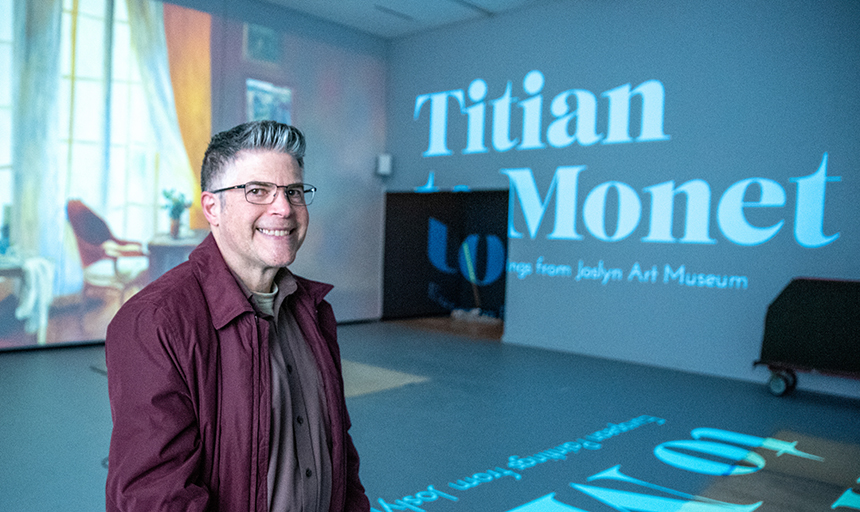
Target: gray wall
point(752, 90)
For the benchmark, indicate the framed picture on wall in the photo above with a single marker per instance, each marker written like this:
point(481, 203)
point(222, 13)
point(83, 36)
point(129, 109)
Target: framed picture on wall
point(261, 44)
point(268, 101)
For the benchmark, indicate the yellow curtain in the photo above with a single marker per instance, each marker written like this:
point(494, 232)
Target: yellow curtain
point(188, 46)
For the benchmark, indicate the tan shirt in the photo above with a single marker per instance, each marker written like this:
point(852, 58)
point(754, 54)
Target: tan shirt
point(299, 476)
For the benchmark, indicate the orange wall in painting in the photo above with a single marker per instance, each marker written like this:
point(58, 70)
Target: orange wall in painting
point(188, 43)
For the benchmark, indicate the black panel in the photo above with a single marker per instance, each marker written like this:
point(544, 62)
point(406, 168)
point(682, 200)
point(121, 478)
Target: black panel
point(813, 324)
point(412, 285)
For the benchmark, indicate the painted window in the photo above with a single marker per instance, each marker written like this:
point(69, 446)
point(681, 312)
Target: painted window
point(5, 109)
point(107, 147)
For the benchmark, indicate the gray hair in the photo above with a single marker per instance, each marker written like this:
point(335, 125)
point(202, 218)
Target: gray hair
point(257, 135)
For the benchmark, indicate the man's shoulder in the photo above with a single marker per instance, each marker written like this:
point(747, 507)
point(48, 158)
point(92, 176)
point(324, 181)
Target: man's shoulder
point(183, 285)
point(169, 312)
point(177, 292)
point(175, 288)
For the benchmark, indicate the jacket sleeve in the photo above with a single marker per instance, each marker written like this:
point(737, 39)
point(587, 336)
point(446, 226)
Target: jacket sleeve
point(356, 499)
point(155, 449)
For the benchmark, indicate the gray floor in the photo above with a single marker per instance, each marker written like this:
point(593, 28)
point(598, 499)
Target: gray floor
point(438, 426)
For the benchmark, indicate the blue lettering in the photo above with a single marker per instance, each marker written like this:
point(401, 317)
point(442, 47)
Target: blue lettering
point(476, 114)
point(502, 121)
point(414, 502)
point(809, 216)
point(546, 503)
point(437, 246)
point(437, 253)
point(768, 443)
point(629, 211)
point(653, 97)
point(651, 92)
point(532, 84)
point(626, 501)
point(730, 210)
point(438, 119)
point(523, 187)
point(696, 225)
point(666, 453)
point(849, 499)
point(495, 259)
point(585, 115)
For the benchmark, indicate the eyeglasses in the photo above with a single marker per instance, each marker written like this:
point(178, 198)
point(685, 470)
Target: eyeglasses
point(263, 192)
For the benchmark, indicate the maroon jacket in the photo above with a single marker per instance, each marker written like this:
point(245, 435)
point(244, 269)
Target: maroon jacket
point(190, 394)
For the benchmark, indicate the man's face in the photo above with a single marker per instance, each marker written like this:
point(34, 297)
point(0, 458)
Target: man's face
point(257, 240)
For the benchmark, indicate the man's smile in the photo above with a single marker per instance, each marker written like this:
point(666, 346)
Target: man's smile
point(275, 232)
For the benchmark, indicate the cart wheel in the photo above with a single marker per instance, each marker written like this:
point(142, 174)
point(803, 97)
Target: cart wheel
point(778, 384)
point(792, 380)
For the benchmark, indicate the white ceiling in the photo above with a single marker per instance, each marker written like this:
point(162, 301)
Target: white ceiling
point(395, 18)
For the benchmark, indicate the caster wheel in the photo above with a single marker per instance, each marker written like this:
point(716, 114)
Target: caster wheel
point(781, 382)
point(792, 379)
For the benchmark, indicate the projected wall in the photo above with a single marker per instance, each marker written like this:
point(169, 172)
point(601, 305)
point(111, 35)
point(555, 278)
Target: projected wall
point(670, 169)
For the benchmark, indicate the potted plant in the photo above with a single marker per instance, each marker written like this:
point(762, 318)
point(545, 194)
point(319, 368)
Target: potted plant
point(176, 206)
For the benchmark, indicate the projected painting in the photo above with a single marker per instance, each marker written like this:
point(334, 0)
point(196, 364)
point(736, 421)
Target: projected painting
point(99, 166)
point(99, 195)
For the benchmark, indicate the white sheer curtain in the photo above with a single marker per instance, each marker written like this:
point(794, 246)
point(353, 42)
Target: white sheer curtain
point(38, 212)
point(36, 216)
point(146, 19)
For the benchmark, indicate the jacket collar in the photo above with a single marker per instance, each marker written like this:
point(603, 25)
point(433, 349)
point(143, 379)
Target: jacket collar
point(224, 296)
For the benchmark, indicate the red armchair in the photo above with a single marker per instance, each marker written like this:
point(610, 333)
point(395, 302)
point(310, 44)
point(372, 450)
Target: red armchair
point(101, 252)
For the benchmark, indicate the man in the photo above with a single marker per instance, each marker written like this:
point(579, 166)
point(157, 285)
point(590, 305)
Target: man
point(224, 374)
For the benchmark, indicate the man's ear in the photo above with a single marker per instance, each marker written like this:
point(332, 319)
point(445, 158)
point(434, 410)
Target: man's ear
point(211, 206)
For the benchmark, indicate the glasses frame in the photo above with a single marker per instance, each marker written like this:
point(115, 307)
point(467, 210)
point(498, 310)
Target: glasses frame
point(306, 189)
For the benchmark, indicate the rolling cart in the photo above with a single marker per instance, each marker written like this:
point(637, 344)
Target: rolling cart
point(813, 325)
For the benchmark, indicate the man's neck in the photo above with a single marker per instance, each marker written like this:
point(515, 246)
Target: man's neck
point(256, 280)
point(259, 283)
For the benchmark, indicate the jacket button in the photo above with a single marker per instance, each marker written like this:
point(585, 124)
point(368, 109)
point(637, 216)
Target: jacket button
point(308, 473)
point(300, 420)
point(289, 368)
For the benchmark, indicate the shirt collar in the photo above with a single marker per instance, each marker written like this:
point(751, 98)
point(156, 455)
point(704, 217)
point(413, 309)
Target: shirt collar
point(285, 282)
